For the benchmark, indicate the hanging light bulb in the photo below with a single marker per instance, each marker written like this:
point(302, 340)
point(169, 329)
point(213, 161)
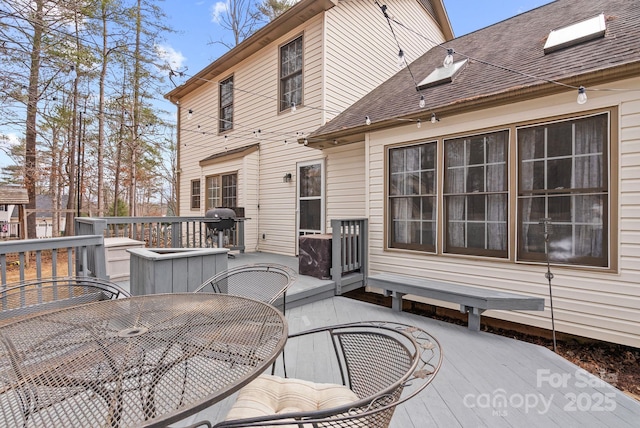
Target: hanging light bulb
point(189, 114)
point(434, 119)
point(448, 60)
point(582, 95)
point(419, 123)
point(293, 107)
point(306, 142)
point(367, 120)
point(401, 61)
point(422, 101)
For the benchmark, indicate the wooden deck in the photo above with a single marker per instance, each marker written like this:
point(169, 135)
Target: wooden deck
point(485, 381)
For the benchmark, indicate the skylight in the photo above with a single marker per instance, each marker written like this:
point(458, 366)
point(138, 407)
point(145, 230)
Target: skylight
point(575, 33)
point(442, 75)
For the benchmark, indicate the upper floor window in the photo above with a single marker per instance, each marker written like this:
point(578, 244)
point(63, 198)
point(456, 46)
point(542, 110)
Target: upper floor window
point(563, 176)
point(222, 191)
point(412, 197)
point(195, 194)
point(291, 74)
point(475, 194)
point(226, 105)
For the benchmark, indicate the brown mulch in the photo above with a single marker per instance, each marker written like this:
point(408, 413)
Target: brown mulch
point(13, 266)
point(619, 365)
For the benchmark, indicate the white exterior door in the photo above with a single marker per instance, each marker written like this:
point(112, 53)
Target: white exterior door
point(311, 198)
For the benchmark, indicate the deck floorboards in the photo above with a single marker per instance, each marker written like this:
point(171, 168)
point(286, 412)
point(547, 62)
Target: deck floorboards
point(478, 368)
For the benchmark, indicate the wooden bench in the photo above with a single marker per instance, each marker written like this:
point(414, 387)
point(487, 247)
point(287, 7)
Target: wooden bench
point(472, 300)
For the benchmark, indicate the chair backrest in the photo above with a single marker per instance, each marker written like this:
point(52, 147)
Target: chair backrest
point(383, 363)
point(39, 295)
point(266, 282)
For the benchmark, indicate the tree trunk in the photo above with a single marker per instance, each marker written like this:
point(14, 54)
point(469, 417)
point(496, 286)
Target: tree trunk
point(30, 170)
point(101, 118)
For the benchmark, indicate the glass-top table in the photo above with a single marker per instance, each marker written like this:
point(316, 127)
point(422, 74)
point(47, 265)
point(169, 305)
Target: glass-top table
point(141, 361)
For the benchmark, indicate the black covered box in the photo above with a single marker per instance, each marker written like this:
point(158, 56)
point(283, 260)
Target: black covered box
point(314, 257)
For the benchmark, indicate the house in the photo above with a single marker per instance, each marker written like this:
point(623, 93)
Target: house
point(12, 197)
point(536, 117)
point(240, 118)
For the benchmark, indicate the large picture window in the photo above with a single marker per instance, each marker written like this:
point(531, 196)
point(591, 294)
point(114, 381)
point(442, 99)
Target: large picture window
point(291, 74)
point(412, 197)
point(476, 196)
point(222, 191)
point(226, 105)
point(563, 177)
point(499, 190)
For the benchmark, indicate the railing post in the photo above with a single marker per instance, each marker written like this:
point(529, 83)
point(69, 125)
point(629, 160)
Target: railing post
point(176, 235)
point(100, 260)
point(336, 254)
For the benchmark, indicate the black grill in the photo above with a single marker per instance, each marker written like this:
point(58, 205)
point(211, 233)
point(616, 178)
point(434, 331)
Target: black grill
point(221, 219)
point(226, 219)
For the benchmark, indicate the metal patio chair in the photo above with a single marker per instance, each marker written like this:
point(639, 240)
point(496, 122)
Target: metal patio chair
point(38, 295)
point(266, 282)
point(374, 367)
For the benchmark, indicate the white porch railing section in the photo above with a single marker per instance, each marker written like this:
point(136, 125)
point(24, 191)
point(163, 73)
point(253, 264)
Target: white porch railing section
point(349, 253)
point(87, 252)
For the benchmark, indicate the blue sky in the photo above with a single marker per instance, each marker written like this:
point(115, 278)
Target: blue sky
point(195, 27)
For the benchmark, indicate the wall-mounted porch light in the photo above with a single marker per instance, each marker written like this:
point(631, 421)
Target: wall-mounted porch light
point(286, 178)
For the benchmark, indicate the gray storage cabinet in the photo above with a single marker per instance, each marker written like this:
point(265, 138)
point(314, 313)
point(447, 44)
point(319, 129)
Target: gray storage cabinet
point(173, 270)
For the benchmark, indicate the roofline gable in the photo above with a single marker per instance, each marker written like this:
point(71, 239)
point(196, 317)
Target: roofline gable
point(298, 14)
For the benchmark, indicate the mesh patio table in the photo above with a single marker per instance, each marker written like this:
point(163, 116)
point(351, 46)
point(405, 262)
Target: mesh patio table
point(140, 361)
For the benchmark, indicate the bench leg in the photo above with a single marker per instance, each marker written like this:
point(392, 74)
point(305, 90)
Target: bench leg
point(396, 299)
point(474, 316)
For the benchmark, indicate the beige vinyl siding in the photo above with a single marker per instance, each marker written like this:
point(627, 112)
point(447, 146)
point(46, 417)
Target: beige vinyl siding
point(256, 107)
point(334, 68)
point(597, 303)
point(346, 183)
point(361, 52)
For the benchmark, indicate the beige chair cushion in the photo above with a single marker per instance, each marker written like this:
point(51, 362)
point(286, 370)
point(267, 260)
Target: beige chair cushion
point(269, 395)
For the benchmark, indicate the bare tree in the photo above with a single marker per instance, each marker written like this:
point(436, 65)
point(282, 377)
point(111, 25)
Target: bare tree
point(272, 9)
point(240, 17)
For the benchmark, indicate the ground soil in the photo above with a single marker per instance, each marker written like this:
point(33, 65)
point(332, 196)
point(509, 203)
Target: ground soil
point(13, 266)
point(618, 365)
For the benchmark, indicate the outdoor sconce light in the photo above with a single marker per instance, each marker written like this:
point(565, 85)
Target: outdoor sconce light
point(286, 178)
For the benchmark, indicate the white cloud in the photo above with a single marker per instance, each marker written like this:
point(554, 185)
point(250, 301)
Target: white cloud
point(218, 9)
point(170, 56)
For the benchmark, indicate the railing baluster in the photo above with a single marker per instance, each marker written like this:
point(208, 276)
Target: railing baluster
point(54, 262)
point(38, 264)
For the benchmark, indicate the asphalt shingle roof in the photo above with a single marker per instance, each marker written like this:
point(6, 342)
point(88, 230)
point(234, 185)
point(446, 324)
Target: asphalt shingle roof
point(514, 44)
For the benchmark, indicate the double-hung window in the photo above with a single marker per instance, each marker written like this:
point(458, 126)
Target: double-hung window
point(226, 105)
point(563, 177)
point(222, 191)
point(291, 74)
point(476, 196)
point(195, 194)
point(412, 197)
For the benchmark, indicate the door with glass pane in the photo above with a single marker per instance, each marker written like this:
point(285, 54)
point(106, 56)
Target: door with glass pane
point(310, 198)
